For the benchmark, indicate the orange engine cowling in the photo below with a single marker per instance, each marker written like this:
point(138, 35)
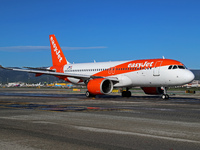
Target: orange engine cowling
point(100, 86)
point(152, 90)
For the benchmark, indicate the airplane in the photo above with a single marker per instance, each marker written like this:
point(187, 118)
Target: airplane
point(154, 76)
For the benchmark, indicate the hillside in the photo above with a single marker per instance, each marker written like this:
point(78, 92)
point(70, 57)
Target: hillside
point(17, 76)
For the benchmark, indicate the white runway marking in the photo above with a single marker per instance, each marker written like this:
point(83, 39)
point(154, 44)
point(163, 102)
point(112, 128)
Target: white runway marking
point(135, 134)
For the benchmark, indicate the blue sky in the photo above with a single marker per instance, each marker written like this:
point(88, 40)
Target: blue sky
point(101, 30)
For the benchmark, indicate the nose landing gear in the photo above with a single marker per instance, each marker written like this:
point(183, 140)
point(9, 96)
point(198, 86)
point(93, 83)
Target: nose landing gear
point(165, 96)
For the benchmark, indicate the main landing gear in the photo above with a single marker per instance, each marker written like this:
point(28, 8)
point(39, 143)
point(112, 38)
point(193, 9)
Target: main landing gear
point(126, 93)
point(88, 94)
point(165, 96)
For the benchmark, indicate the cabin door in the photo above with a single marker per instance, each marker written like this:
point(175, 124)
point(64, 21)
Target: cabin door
point(156, 69)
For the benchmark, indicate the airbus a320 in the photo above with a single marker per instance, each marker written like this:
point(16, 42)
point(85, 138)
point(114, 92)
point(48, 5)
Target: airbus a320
point(154, 76)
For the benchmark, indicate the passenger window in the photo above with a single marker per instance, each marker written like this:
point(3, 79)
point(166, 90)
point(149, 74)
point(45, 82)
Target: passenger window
point(175, 67)
point(170, 67)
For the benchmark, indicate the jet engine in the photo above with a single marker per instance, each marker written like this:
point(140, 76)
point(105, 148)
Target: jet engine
point(153, 90)
point(100, 86)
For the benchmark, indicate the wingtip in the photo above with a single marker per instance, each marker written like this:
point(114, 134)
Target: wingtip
point(2, 67)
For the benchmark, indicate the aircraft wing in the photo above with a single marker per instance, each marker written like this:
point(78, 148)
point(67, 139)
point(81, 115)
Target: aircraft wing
point(43, 69)
point(51, 72)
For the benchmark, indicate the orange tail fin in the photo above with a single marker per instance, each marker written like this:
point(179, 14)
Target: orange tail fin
point(58, 57)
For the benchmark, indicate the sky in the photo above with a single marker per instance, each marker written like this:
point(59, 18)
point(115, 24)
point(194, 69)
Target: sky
point(100, 30)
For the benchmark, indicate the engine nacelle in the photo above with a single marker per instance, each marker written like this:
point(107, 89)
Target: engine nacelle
point(153, 90)
point(100, 86)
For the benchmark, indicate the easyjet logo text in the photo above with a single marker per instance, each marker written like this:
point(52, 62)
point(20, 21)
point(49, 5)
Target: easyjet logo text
point(145, 64)
point(56, 49)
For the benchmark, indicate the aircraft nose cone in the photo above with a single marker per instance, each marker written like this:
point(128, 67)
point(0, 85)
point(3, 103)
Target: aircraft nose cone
point(189, 77)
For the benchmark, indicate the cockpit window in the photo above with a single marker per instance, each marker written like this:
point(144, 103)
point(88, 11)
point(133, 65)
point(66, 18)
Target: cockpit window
point(170, 67)
point(181, 67)
point(175, 67)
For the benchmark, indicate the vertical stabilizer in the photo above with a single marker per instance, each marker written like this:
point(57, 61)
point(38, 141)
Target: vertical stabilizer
point(58, 58)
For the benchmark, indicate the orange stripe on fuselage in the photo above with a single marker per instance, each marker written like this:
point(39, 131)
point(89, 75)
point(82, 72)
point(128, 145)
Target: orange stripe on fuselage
point(136, 65)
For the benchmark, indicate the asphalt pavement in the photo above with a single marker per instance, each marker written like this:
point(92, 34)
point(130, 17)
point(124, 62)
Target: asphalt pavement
point(53, 119)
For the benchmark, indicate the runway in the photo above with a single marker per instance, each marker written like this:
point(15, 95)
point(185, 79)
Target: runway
point(54, 119)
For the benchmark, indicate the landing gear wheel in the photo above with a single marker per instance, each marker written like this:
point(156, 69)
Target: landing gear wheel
point(126, 94)
point(88, 94)
point(165, 96)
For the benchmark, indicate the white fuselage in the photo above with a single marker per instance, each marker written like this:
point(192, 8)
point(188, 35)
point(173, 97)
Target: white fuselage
point(144, 77)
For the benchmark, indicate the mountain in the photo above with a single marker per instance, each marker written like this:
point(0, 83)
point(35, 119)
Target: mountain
point(7, 76)
point(196, 73)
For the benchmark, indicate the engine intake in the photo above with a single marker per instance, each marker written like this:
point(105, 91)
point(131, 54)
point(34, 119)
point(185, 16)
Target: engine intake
point(100, 86)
